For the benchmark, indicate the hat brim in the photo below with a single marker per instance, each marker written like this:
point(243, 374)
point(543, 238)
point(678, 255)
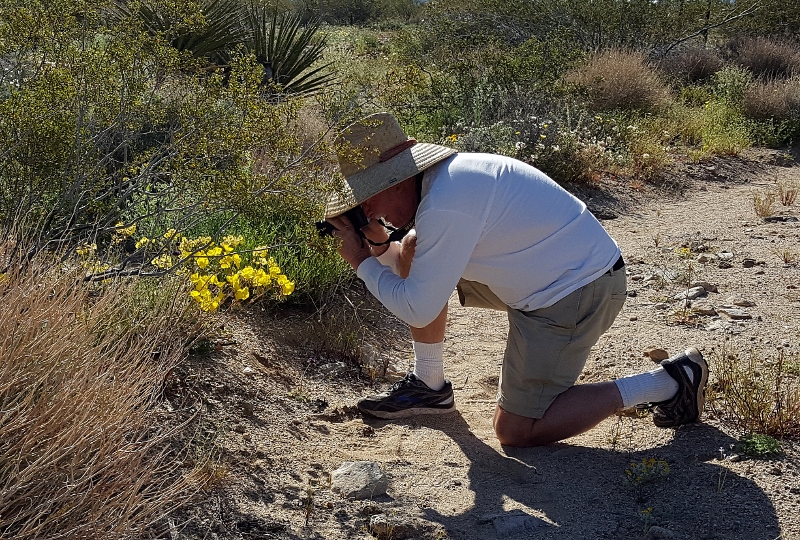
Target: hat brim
point(363, 184)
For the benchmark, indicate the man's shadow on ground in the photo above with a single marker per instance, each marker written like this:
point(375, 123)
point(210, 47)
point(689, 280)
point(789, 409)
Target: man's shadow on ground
point(568, 491)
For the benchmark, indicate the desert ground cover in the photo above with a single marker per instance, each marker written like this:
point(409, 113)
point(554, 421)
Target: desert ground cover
point(283, 418)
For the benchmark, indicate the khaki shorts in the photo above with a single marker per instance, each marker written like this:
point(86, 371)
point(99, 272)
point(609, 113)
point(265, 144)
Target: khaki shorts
point(548, 348)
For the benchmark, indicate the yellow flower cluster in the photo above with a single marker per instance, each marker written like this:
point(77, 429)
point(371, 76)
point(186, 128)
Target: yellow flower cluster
point(219, 274)
point(122, 230)
point(646, 470)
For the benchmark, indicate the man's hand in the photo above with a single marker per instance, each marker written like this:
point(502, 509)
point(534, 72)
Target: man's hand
point(352, 247)
point(377, 233)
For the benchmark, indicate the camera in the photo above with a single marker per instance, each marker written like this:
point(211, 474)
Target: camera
point(356, 217)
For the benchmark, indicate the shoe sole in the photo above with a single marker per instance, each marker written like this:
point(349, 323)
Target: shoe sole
point(695, 356)
point(409, 413)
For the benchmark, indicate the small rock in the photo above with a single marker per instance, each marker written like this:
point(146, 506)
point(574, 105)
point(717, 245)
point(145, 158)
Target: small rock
point(656, 355)
point(513, 523)
point(661, 305)
point(748, 263)
point(248, 370)
point(239, 428)
point(725, 256)
point(247, 408)
point(383, 526)
point(633, 319)
point(709, 287)
point(703, 258)
point(734, 313)
point(359, 480)
point(704, 308)
point(637, 277)
point(739, 301)
point(656, 533)
point(724, 264)
point(632, 294)
point(333, 369)
point(690, 294)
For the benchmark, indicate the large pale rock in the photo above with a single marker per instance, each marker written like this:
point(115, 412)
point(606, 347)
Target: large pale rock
point(359, 480)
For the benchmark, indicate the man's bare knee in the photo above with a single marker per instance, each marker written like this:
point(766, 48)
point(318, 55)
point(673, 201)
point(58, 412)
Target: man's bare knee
point(515, 430)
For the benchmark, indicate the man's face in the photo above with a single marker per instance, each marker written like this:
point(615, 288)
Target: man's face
point(396, 205)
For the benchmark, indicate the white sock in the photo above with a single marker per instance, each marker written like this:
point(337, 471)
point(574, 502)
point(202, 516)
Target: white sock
point(650, 387)
point(429, 364)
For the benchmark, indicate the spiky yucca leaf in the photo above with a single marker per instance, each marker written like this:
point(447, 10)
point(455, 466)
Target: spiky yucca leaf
point(287, 50)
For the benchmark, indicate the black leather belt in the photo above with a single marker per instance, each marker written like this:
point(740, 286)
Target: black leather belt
point(617, 265)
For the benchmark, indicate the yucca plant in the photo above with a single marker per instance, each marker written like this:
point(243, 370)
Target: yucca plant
point(209, 29)
point(288, 50)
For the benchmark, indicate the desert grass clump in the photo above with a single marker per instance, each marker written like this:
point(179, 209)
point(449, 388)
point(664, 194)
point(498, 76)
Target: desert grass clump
point(787, 193)
point(767, 57)
point(82, 451)
point(757, 393)
point(763, 203)
point(778, 99)
point(692, 65)
point(620, 79)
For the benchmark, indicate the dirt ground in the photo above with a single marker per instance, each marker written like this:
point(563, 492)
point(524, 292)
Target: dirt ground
point(282, 413)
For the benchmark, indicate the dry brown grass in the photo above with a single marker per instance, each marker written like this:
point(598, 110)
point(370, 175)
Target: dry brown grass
point(767, 57)
point(787, 193)
point(757, 393)
point(692, 64)
point(774, 98)
point(763, 203)
point(82, 454)
point(619, 79)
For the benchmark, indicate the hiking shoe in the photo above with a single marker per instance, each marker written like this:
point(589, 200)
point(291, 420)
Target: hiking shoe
point(409, 397)
point(687, 405)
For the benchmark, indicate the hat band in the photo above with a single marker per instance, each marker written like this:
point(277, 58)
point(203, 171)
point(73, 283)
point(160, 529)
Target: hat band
point(391, 152)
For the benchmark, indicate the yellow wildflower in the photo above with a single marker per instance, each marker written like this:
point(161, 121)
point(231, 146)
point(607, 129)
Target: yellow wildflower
point(125, 231)
point(242, 294)
point(143, 241)
point(162, 261)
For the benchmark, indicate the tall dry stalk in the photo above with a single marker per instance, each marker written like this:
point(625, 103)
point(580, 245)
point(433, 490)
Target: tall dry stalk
point(81, 453)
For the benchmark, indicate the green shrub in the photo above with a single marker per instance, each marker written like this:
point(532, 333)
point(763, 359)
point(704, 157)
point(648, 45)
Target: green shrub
point(619, 79)
point(760, 446)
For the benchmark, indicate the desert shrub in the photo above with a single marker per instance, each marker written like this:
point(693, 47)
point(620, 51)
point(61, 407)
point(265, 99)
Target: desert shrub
point(775, 98)
point(766, 56)
point(756, 392)
point(730, 85)
point(84, 452)
point(619, 79)
point(692, 64)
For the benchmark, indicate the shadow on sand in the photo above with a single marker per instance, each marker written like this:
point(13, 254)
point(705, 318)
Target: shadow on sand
point(567, 491)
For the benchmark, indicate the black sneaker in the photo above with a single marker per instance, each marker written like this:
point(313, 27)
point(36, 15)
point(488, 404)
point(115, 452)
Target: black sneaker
point(409, 397)
point(687, 405)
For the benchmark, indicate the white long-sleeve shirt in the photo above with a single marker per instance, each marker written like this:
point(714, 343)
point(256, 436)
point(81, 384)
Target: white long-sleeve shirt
point(497, 221)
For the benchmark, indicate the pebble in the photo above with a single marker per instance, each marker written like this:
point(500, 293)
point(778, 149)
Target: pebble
point(739, 301)
point(724, 264)
point(383, 526)
point(734, 313)
point(661, 305)
point(248, 370)
point(709, 287)
point(690, 294)
point(703, 308)
point(656, 355)
point(725, 256)
point(514, 523)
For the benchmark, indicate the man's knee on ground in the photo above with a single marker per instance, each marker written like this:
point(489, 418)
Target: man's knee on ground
point(515, 430)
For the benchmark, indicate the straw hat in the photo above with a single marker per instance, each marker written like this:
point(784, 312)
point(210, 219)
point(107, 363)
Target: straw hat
point(375, 154)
